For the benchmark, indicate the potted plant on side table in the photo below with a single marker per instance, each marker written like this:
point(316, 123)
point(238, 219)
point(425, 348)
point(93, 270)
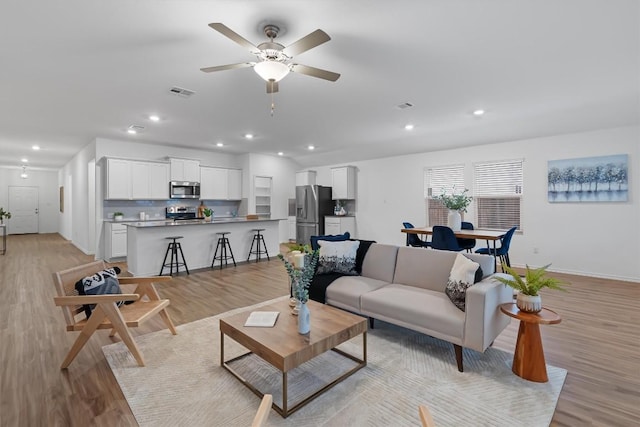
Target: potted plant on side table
point(4, 214)
point(528, 286)
point(456, 203)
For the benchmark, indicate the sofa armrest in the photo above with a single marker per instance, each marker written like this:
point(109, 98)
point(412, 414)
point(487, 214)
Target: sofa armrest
point(483, 319)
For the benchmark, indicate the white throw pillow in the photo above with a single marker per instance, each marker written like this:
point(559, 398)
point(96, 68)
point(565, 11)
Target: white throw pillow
point(462, 276)
point(338, 257)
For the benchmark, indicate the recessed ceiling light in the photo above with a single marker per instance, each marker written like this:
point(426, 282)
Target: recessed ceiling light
point(280, 153)
point(478, 113)
point(219, 144)
point(311, 147)
point(154, 118)
point(248, 135)
point(24, 160)
point(408, 126)
point(35, 147)
point(131, 131)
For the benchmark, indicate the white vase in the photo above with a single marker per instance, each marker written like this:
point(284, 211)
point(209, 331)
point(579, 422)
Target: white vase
point(529, 303)
point(454, 220)
point(304, 319)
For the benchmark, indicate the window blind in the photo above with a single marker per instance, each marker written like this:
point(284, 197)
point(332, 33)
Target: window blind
point(498, 189)
point(438, 180)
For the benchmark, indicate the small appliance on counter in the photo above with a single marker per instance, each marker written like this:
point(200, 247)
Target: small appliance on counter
point(181, 213)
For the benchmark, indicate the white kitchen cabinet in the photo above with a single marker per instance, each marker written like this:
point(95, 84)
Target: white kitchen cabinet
point(340, 225)
point(137, 180)
point(306, 178)
point(118, 179)
point(343, 182)
point(158, 181)
point(291, 222)
point(185, 170)
point(220, 184)
point(116, 240)
point(234, 184)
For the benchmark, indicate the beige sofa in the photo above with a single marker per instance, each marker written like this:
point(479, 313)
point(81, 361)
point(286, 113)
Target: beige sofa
point(406, 286)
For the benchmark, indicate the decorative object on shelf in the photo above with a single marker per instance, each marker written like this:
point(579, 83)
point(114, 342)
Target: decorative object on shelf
point(456, 203)
point(528, 286)
point(301, 268)
point(4, 214)
point(208, 214)
point(118, 216)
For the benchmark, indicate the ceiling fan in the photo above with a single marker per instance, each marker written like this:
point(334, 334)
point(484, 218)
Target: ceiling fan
point(275, 60)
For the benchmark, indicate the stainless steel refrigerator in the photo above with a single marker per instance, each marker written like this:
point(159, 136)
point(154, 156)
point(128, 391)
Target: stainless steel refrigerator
point(313, 203)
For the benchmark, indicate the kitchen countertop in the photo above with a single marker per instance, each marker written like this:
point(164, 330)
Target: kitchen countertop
point(171, 223)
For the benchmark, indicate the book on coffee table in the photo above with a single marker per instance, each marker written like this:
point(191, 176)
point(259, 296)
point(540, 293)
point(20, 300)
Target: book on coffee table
point(262, 319)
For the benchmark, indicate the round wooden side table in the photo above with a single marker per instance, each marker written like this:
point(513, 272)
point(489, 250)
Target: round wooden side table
point(528, 358)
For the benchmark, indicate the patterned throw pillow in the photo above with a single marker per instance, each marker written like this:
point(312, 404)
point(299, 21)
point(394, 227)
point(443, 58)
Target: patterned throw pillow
point(338, 257)
point(102, 282)
point(462, 275)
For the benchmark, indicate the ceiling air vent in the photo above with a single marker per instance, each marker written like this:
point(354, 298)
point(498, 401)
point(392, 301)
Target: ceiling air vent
point(180, 91)
point(404, 106)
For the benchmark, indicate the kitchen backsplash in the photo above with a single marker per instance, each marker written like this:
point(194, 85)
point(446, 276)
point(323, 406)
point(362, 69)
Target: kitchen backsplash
point(156, 208)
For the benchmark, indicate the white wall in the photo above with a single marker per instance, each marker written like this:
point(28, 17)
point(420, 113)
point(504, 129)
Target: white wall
point(597, 239)
point(47, 184)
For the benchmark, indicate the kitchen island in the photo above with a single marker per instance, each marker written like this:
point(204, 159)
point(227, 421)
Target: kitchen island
point(147, 243)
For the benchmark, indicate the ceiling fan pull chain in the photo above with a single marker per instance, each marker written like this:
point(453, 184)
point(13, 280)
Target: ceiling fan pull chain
point(273, 105)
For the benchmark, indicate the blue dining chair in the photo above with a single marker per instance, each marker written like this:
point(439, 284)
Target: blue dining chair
point(502, 253)
point(467, 244)
point(444, 238)
point(413, 239)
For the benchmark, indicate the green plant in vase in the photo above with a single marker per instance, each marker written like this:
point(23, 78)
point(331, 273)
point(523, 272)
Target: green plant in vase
point(208, 213)
point(301, 275)
point(4, 214)
point(529, 286)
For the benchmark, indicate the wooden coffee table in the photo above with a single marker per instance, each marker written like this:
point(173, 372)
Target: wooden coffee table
point(285, 349)
point(528, 358)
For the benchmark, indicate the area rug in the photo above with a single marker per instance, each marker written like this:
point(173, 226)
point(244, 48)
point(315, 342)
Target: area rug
point(183, 383)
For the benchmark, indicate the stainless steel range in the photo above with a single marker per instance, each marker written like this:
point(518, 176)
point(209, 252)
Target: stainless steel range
point(181, 213)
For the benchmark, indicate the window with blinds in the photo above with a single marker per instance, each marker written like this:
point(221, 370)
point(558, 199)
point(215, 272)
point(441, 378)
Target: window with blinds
point(498, 194)
point(438, 180)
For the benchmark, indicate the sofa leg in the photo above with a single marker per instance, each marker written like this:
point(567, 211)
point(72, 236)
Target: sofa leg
point(458, 356)
point(370, 322)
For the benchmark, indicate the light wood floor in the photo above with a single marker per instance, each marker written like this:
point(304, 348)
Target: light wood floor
point(598, 341)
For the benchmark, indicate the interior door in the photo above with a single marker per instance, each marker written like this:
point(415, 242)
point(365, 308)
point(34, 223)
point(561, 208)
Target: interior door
point(23, 205)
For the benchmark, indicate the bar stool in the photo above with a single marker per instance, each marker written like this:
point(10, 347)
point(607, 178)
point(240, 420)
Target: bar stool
point(174, 247)
point(223, 244)
point(258, 238)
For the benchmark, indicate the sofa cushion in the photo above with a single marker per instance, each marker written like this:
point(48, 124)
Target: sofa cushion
point(426, 269)
point(329, 237)
point(380, 262)
point(463, 274)
point(420, 309)
point(346, 291)
point(337, 257)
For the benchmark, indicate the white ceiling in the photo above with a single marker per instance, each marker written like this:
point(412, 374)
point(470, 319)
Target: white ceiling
point(75, 70)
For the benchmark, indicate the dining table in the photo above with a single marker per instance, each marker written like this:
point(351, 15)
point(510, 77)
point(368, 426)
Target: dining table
point(490, 236)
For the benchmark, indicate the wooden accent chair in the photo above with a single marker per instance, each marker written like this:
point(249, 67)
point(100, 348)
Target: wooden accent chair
point(263, 411)
point(425, 416)
point(107, 314)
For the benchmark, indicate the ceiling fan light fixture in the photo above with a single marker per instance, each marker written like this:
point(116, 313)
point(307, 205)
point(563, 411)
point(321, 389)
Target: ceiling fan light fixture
point(271, 70)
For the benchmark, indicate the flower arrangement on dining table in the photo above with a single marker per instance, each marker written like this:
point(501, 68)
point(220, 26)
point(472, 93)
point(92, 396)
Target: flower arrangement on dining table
point(301, 267)
point(455, 202)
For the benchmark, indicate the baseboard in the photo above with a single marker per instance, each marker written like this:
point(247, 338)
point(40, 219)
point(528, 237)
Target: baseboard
point(588, 274)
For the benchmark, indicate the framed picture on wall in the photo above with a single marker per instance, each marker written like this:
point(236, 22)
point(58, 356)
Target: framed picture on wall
point(61, 199)
point(588, 179)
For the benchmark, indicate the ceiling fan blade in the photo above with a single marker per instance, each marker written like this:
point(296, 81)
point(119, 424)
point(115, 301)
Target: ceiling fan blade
point(228, 32)
point(272, 86)
point(227, 67)
point(315, 72)
point(307, 42)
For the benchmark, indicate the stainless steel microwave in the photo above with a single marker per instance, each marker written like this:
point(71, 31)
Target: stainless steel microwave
point(184, 190)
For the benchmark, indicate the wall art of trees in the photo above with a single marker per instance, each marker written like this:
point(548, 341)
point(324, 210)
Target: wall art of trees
point(590, 179)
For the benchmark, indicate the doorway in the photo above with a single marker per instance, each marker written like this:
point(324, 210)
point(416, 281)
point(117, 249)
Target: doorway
point(23, 205)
